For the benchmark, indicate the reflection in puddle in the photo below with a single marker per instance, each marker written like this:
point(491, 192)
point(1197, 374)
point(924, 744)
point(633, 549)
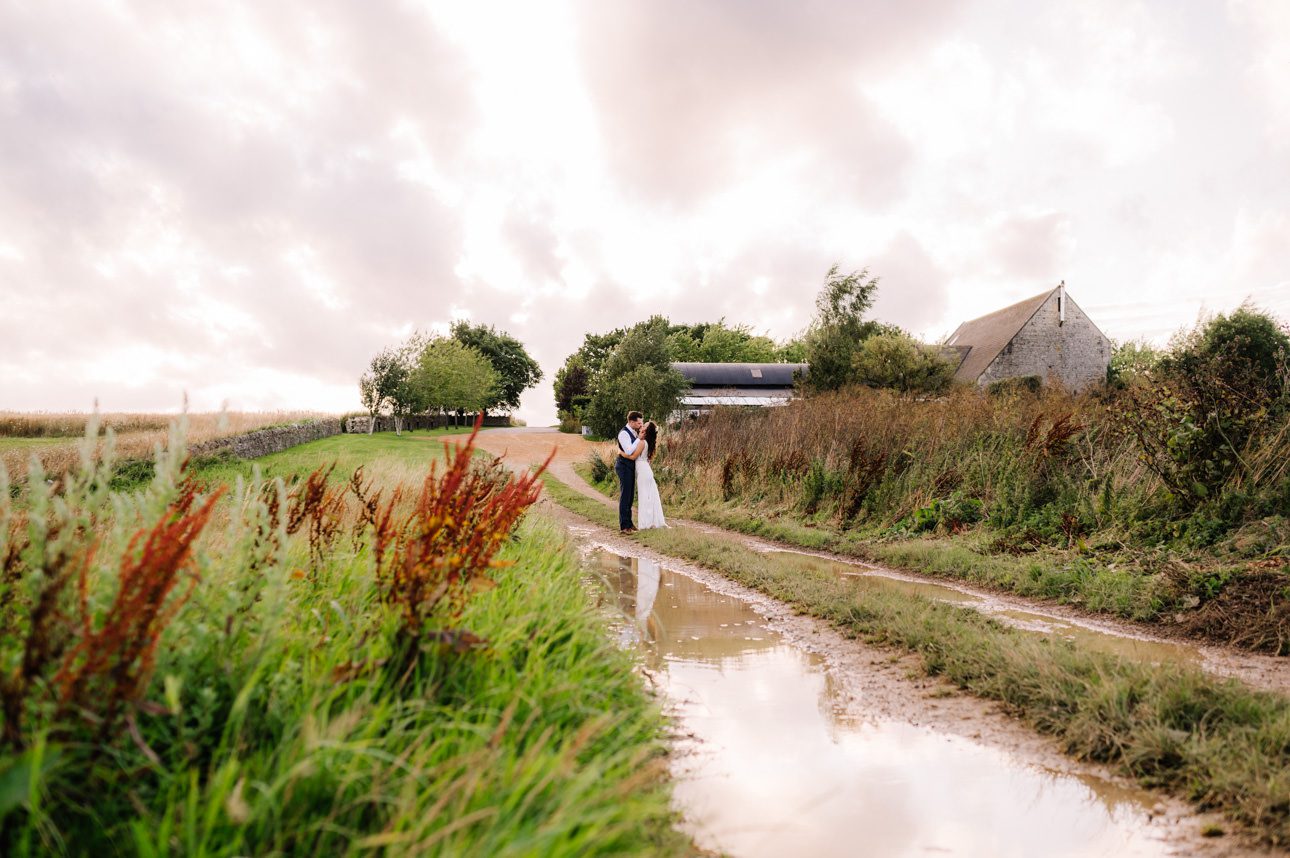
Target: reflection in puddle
point(1089, 638)
point(780, 767)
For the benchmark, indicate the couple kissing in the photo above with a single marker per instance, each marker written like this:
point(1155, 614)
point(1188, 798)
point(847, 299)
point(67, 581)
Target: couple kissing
point(636, 444)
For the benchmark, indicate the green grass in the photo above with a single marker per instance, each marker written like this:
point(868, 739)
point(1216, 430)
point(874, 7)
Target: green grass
point(8, 444)
point(283, 719)
point(380, 449)
point(608, 487)
point(1217, 743)
point(1063, 576)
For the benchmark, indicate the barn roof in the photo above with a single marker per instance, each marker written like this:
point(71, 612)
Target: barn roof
point(739, 374)
point(986, 336)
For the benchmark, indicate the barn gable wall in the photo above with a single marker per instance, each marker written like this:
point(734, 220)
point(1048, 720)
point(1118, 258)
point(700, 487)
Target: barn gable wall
point(1074, 353)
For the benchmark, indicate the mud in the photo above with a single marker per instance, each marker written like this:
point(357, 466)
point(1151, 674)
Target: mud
point(792, 739)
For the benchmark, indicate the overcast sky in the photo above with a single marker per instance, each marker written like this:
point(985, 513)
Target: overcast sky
point(245, 201)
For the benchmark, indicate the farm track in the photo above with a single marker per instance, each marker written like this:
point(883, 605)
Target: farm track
point(525, 447)
point(869, 686)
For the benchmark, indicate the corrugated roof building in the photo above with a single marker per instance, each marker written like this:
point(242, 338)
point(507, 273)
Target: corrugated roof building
point(754, 384)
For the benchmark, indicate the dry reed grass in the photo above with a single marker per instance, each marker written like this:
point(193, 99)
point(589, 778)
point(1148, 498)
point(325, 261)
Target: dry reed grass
point(883, 455)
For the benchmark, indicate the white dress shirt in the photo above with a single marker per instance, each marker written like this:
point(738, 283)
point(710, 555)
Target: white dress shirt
point(626, 441)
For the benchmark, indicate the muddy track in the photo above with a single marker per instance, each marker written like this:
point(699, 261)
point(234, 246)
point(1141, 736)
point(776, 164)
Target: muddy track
point(872, 685)
point(525, 447)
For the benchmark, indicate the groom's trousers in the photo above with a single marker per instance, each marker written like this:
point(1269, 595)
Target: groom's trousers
point(626, 470)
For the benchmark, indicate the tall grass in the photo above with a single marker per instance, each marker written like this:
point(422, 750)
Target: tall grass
point(1029, 476)
point(185, 673)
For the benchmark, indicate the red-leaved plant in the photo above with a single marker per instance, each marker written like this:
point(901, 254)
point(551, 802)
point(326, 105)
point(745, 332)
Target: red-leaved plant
point(111, 662)
point(430, 560)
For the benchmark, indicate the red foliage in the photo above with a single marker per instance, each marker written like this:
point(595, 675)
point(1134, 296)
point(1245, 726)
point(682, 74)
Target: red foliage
point(109, 666)
point(429, 561)
point(320, 509)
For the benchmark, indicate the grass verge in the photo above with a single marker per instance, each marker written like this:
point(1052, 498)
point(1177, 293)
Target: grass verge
point(285, 715)
point(1065, 578)
point(1217, 743)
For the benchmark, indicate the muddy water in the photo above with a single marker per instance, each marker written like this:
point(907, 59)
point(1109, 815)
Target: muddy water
point(1087, 636)
point(781, 761)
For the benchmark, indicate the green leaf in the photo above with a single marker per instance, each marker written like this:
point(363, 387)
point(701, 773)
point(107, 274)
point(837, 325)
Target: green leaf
point(18, 776)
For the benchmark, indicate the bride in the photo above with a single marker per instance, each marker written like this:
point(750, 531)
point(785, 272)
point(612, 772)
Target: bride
point(650, 505)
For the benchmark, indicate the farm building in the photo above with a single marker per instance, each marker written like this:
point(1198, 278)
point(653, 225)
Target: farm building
point(753, 384)
point(1047, 336)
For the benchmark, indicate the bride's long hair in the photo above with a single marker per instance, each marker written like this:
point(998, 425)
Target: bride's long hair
point(651, 438)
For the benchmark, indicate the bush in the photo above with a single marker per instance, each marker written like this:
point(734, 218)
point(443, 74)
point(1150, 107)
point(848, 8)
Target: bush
point(897, 361)
point(952, 514)
point(1221, 387)
point(1130, 362)
point(600, 469)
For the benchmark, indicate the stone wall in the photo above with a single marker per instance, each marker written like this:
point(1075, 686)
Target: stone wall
point(275, 439)
point(1074, 353)
point(359, 425)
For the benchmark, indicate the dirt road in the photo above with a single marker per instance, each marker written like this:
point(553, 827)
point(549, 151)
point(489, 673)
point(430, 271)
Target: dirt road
point(525, 446)
point(791, 736)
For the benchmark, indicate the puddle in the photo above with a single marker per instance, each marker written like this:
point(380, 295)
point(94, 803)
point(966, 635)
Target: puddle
point(1154, 651)
point(783, 762)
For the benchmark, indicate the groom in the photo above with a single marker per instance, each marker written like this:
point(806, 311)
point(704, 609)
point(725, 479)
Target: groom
point(626, 469)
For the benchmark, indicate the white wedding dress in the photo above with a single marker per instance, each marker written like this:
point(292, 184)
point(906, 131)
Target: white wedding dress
point(650, 512)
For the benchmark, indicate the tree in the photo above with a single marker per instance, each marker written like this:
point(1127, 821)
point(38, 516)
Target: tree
point(379, 384)
point(1245, 354)
point(723, 344)
point(637, 375)
point(899, 362)
point(653, 391)
point(572, 387)
point(452, 377)
point(516, 370)
point(1131, 361)
point(792, 351)
point(579, 381)
point(839, 328)
point(405, 396)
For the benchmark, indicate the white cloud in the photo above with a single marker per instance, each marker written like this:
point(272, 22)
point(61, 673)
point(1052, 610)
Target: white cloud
point(245, 201)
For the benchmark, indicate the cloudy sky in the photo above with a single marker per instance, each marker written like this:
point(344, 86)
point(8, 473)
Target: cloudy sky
point(245, 201)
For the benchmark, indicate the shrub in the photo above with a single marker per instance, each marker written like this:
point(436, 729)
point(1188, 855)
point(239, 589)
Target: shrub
point(897, 361)
point(1132, 361)
point(952, 514)
point(1222, 386)
point(429, 561)
point(600, 469)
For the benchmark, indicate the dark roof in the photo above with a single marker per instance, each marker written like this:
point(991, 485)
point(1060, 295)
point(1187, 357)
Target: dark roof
point(739, 374)
point(985, 337)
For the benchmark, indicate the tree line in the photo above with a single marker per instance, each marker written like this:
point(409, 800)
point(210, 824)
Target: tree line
point(475, 368)
point(631, 367)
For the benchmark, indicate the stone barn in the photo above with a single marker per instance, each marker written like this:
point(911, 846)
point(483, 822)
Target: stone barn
point(1047, 336)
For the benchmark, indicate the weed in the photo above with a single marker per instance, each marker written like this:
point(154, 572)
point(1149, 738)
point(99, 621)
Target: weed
point(110, 664)
point(431, 560)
